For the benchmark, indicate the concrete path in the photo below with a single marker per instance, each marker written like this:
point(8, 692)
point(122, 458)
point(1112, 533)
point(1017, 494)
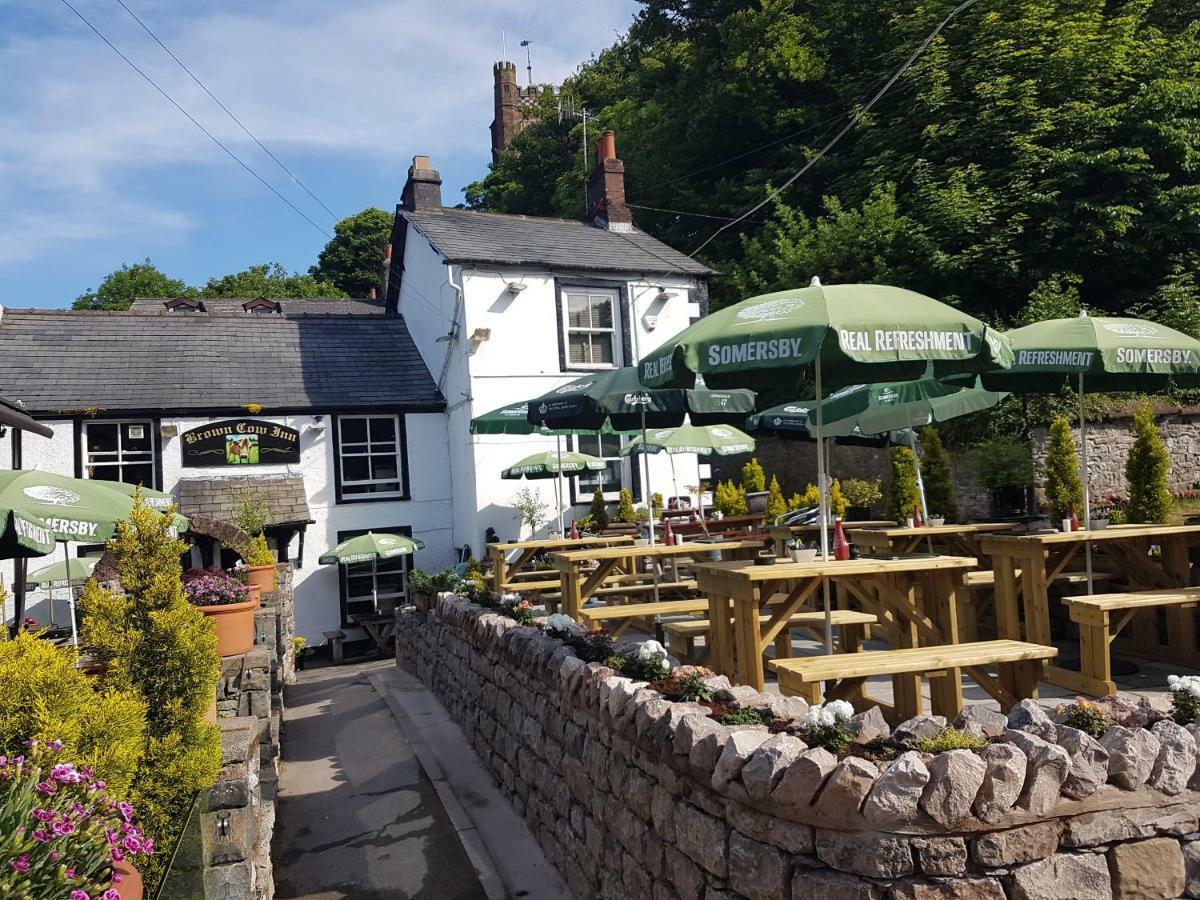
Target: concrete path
point(357, 817)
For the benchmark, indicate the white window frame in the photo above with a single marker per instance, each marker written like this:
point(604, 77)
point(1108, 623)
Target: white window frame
point(611, 491)
point(372, 568)
point(614, 296)
point(117, 457)
point(365, 450)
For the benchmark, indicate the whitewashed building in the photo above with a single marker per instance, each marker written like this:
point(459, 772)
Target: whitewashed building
point(504, 308)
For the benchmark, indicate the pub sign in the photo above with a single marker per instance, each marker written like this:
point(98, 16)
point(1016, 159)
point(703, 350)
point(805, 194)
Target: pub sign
point(240, 442)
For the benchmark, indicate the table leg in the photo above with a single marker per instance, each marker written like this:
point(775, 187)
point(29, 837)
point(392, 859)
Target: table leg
point(499, 570)
point(746, 637)
point(570, 584)
point(940, 599)
point(906, 689)
point(1007, 612)
point(1181, 623)
point(1036, 597)
point(720, 650)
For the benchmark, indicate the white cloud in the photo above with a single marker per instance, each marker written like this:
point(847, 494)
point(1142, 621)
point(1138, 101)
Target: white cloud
point(350, 82)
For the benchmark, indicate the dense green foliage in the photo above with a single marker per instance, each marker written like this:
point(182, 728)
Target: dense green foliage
point(753, 477)
point(1088, 718)
point(625, 512)
point(1004, 463)
point(158, 646)
point(46, 697)
point(1040, 151)
point(119, 288)
point(353, 259)
point(730, 499)
point(598, 514)
point(1146, 470)
point(902, 493)
point(776, 505)
point(938, 477)
point(951, 739)
point(1064, 488)
point(268, 280)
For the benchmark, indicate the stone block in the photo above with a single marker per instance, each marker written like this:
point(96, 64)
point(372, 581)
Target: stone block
point(822, 884)
point(231, 882)
point(918, 728)
point(1191, 868)
point(704, 838)
point(790, 836)
point(1089, 762)
point(978, 720)
point(1066, 876)
point(758, 871)
point(846, 788)
point(1026, 844)
point(941, 856)
point(1047, 767)
point(897, 791)
point(954, 780)
point(735, 754)
point(869, 726)
point(1147, 870)
point(764, 769)
point(868, 853)
point(685, 876)
point(1131, 756)
point(1176, 760)
point(1028, 716)
point(950, 889)
point(804, 779)
point(228, 835)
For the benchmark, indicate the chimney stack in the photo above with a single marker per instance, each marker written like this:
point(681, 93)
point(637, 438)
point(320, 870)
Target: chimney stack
point(423, 190)
point(606, 187)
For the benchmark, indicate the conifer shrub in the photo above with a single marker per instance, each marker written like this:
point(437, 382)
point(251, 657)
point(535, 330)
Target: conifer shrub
point(46, 697)
point(625, 512)
point(902, 493)
point(776, 505)
point(753, 477)
point(599, 511)
point(730, 499)
point(157, 645)
point(1146, 470)
point(1064, 488)
point(260, 552)
point(939, 478)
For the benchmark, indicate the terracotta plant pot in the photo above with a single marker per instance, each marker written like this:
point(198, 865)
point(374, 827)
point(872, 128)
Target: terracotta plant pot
point(234, 623)
point(131, 887)
point(263, 576)
point(255, 593)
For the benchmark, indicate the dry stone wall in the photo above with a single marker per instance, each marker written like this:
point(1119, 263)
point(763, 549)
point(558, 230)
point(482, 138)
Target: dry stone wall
point(633, 796)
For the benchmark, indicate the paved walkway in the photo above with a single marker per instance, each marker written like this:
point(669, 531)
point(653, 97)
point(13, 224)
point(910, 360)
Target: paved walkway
point(357, 816)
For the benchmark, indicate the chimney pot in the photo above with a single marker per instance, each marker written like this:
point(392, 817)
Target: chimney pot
point(606, 146)
point(606, 187)
point(423, 190)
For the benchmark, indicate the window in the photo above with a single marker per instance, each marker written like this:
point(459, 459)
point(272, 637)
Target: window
point(119, 451)
point(374, 587)
point(590, 321)
point(370, 458)
point(611, 480)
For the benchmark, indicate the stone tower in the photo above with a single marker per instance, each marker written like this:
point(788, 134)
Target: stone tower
point(514, 106)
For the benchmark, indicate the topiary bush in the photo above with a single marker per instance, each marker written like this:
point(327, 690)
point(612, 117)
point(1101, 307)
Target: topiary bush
point(1064, 489)
point(46, 697)
point(902, 493)
point(625, 512)
point(753, 477)
point(940, 495)
point(159, 646)
point(1146, 470)
point(599, 511)
point(776, 505)
point(730, 499)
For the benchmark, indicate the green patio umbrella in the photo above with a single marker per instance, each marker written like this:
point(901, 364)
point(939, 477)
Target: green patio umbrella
point(1094, 354)
point(554, 465)
point(370, 547)
point(701, 440)
point(901, 405)
point(56, 573)
point(790, 421)
point(787, 343)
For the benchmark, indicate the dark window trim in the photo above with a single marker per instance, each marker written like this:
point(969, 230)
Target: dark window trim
point(626, 344)
point(573, 482)
point(156, 438)
point(15, 455)
point(401, 433)
point(345, 535)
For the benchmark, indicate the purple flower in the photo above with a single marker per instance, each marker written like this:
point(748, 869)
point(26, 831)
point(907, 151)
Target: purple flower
point(116, 854)
point(71, 872)
point(56, 745)
point(42, 836)
point(110, 894)
point(126, 810)
point(55, 856)
point(44, 815)
point(47, 787)
point(80, 895)
point(64, 827)
point(20, 864)
point(132, 844)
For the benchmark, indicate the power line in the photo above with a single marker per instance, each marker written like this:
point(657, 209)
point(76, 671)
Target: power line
point(292, 175)
point(194, 121)
point(854, 120)
point(680, 212)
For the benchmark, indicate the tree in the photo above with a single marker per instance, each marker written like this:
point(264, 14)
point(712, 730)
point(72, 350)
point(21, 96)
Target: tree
point(754, 479)
point(1146, 470)
point(730, 499)
point(776, 505)
point(119, 289)
point(902, 493)
point(268, 280)
point(530, 508)
point(940, 495)
point(158, 645)
point(599, 511)
point(625, 512)
point(352, 261)
point(1064, 489)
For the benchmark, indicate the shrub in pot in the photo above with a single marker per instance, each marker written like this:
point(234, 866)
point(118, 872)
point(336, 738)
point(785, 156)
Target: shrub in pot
point(260, 564)
point(230, 605)
point(860, 496)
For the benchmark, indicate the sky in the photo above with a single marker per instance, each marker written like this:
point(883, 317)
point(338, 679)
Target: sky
point(98, 169)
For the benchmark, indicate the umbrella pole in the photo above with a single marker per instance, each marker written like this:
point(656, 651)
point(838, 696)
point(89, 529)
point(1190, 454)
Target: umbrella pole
point(558, 485)
point(649, 500)
point(824, 507)
point(674, 480)
point(70, 595)
point(1087, 504)
point(920, 483)
point(374, 585)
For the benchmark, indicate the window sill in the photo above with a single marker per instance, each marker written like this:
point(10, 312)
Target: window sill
point(373, 498)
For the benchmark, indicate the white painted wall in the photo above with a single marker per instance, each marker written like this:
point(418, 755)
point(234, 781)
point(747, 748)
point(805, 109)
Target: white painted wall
point(428, 511)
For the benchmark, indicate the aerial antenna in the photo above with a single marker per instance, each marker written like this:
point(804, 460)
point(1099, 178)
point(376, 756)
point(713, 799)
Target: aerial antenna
point(503, 47)
point(528, 61)
point(567, 110)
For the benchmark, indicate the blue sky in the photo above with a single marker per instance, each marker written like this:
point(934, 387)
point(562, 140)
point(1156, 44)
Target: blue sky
point(97, 169)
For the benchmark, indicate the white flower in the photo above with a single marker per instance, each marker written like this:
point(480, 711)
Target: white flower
point(650, 651)
point(828, 715)
point(563, 623)
point(510, 599)
point(1187, 683)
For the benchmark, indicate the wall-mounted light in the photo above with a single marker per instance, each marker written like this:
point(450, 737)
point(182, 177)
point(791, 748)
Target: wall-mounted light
point(168, 431)
point(478, 336)
point(662, 296)
point(317, 427)
point(515, 287)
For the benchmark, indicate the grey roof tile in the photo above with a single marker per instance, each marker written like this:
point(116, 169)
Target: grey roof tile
point(283, 498)
point(291, 306)
point(463, 235)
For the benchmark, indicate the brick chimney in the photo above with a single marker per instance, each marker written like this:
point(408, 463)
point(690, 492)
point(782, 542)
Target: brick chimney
point(423, 190)
point(606, 188)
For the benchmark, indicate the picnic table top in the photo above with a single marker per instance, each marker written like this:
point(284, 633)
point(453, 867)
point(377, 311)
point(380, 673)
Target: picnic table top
point(553, 543)
point(809, 527)
point(726, 521)
point(746, 570)
point(901, 531)
point(685, 549)
point(1111, 533)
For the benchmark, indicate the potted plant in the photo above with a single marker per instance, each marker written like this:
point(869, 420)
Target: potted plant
point(421, 590)
point(860, 496)
point(935, 520)
point(228, 603)
point(65, 836)
point(299, 651)
point(260, 565)
point(799, 552)
point(1006, 469)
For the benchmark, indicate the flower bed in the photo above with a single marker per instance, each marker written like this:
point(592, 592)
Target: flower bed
point(214, 587)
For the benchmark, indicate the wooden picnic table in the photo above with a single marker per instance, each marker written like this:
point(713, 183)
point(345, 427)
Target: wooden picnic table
point(781, 534)
point(1026, 565)
point(503, 571)
point(578, 586)
point(739, 592)
point(682, 525)
point(893, 540)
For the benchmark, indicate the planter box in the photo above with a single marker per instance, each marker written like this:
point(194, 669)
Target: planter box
point(234, 623)
point(264, 576)
point(756, 501)
point(424, 602)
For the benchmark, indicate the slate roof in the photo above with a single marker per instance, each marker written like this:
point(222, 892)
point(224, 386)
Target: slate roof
point(59, 361)
point(467, 236)
point(291, 307)
point(283, 498)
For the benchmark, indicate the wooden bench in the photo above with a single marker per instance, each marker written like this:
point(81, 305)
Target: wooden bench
point(624, 614)
point(851, 625)
point(1020, 666)
point(1098, 629)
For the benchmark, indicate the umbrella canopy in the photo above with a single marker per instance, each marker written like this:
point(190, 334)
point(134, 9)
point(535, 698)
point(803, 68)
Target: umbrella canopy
point(514, 419)
point(370, 546)
point(550, 464)
point(23, 535)
point(81, 570)
point(1110, 354)
point(790, 421)
point(856, 332)
point(152, 498)
point(703, 440)
point(72, 509)
point(618, 398)
point(896, 405)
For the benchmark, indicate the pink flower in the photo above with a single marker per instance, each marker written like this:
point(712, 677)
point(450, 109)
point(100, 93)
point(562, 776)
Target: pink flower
point(64, 827)
point(42, 836)
point(55, 856)
point(47, 787)
point(20, 864)
point(80, 895)
point(116, 854)
point(126, 811)
point(44, 815)
point(71, 872)
point(110, 894)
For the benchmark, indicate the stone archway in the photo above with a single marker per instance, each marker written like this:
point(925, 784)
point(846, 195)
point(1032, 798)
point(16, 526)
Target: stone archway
point(225, 533)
